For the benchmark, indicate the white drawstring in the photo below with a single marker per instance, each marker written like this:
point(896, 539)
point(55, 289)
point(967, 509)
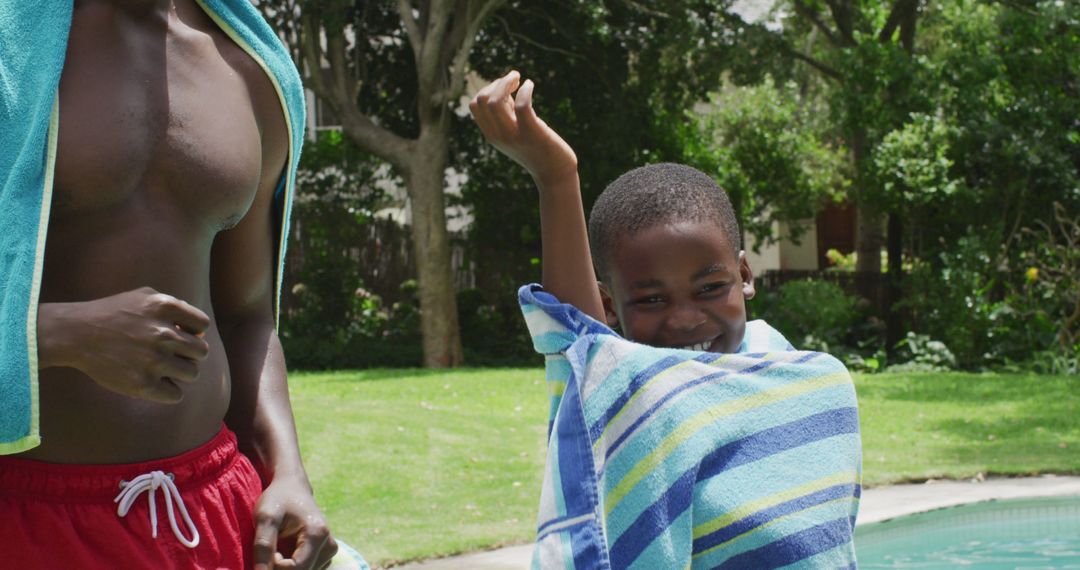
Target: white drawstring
point(130, 490)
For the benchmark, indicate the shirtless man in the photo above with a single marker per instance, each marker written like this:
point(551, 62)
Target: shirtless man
point(156, 317)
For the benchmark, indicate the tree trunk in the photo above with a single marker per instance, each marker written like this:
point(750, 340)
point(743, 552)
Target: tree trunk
point(869, 230)
point(869, 238)
point(894, 325)
point(431, 246)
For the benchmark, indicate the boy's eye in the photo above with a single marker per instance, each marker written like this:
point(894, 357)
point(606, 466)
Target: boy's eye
point(649, 300)
point(713, 287)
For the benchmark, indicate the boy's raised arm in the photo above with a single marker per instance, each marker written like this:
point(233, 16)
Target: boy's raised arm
point(512, 126)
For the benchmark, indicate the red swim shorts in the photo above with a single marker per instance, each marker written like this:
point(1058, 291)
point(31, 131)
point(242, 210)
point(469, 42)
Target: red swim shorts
point(56, 516)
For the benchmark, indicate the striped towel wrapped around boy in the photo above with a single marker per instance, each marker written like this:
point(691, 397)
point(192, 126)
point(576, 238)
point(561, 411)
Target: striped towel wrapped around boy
point(666, 458)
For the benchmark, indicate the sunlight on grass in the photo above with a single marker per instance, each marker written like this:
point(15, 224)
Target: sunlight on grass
point(955, 425)
point(410, 464)
point(413, 464)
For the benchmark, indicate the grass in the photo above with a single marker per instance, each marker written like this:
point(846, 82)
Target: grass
point(955, 425)
point(412, 464)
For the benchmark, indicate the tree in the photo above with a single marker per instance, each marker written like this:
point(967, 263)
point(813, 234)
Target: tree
point(615, 80)
point(393, 74)
point(764, 149)
point(866, 54)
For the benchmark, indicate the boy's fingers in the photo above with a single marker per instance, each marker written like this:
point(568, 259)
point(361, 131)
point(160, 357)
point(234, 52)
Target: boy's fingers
point(508, 84)
point(500, 104)
point(523, 108)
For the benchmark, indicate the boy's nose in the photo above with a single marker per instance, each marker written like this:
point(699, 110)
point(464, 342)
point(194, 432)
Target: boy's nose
point(686, 317)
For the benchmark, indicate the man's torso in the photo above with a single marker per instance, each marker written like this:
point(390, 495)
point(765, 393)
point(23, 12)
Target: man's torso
point(162, 122)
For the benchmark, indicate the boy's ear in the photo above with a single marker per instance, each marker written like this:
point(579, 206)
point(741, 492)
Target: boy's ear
point(610, 315)
point(747, 276)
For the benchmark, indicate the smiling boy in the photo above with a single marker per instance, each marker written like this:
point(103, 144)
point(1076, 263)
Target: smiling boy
point(699, 440)
point(670, 268)
point(663, 237)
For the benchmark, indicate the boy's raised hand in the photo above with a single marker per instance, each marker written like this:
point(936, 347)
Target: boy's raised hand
point(511, 125)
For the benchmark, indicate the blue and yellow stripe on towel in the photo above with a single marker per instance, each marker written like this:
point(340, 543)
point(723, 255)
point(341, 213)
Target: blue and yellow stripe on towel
point(667, 458)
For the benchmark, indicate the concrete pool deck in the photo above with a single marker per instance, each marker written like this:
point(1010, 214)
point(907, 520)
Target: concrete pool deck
point(878, 504)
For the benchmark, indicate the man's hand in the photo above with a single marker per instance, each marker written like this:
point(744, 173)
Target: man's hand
point(142, 343)
point(511, 125)
point(290, 530)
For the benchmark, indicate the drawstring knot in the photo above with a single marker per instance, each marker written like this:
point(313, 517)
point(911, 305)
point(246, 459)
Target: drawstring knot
point(152, 481)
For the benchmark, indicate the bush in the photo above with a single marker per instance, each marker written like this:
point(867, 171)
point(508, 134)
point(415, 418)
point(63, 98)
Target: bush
point(813, 315)
point(994, 309)
point(493, 332)
point(920, 353)
point(957, 297)
point(365, 334)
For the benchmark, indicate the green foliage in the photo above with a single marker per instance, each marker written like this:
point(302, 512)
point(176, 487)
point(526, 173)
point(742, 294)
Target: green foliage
point(912, 163)
point(920, 353)
point(1051, 285)
point(968, 138)
point(494, 333)
point(839, 261)
point(328, 318)
point(371, 335)
point(767, 156)
point(813, 315)
point(958, 297)
point(614, 79)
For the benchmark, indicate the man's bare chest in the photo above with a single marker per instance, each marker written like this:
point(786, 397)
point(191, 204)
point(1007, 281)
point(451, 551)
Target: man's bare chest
point(161, 116)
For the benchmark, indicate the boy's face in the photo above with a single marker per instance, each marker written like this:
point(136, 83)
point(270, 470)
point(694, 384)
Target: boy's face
point(679, 285)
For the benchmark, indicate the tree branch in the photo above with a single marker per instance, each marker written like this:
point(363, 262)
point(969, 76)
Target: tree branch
point(902, 15)
point(511, 33)
point(335, 54)
point(340, 94)
point(907, 25)
point(821, 67)
point(809, 14)
point(427, 67)
point(375, 139)
point(416, 39)
point(841, 13)
point(891, 23)
point(312, 52)
point(477, 13)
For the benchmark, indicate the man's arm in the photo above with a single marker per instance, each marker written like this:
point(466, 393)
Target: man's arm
point(511, 125)
point(242, 281)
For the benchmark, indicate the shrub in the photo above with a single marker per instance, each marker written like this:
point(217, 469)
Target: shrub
point(493, 332)
point(957, 297)
point(365, 334)
point(920, 353)
point(813, 315)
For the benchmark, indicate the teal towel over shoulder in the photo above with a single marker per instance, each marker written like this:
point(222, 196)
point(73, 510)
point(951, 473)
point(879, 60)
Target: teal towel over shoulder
point(668, 458)
point(33, 44)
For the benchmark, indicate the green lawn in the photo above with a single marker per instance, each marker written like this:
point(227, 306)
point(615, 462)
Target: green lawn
point(920, 426)
point(412, 464)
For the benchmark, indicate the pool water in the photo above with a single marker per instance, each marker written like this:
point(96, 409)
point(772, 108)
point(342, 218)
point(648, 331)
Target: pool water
point(1024, 534)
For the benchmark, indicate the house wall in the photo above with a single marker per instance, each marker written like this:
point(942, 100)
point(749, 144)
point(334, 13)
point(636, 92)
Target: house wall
point(785, 253)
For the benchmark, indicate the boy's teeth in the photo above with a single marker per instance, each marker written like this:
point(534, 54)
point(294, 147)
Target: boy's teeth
point(700, 347)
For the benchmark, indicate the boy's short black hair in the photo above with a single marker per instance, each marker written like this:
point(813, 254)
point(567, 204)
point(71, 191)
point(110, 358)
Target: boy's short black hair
point(656, 194)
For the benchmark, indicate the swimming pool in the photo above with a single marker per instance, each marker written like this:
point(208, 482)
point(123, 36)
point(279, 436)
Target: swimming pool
point(1018, 533)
